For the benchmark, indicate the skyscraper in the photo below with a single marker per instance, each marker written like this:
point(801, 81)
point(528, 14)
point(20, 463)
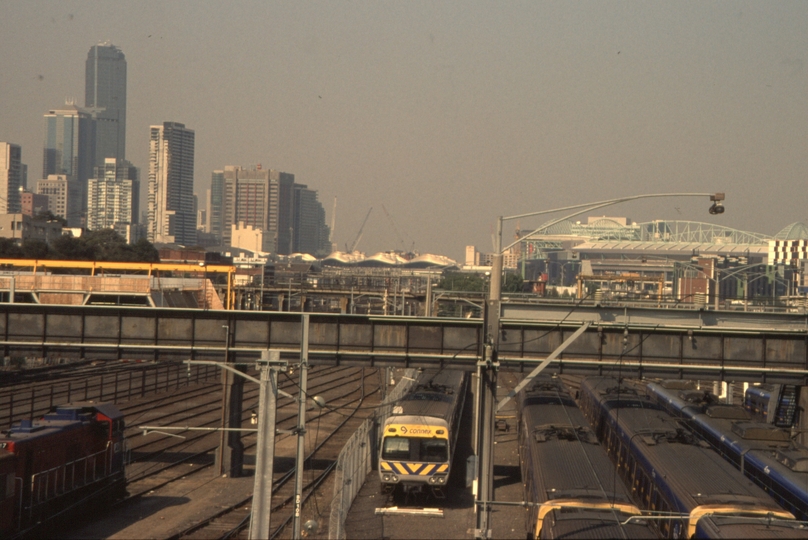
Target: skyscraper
point(70, 151)
point(259, 198)
point(10, 177)
point(171, 185)
point(105, 98)
point(216, 206)
point(311, 235)
point(113, 195)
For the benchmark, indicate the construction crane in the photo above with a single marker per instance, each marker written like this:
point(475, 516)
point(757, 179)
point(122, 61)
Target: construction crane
point(359, 234)
point(395, 229)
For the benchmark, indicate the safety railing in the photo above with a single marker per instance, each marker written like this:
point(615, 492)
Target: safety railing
point(357, 458)
point(58, 481)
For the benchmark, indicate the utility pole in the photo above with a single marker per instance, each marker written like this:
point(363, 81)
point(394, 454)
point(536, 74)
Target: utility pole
point(487, 391)
point(270, 364)
point(301, 424)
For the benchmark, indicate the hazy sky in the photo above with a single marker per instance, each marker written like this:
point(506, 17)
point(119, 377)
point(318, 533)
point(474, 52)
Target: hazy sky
point(448, 114)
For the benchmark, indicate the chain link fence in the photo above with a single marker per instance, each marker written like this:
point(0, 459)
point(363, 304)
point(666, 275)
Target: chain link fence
point(358, 458)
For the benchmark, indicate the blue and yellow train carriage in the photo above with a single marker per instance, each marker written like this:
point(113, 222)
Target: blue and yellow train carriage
point(418, 438)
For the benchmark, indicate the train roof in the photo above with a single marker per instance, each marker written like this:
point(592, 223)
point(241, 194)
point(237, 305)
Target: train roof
point(435, 394)
point(62, 418)
point(562, 444)
point(585, 523)
point(109, 410)
point(742, 527)
point(693, 474)
point(614, 394)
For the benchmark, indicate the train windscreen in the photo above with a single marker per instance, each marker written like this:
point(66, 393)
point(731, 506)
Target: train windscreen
point(416, 449)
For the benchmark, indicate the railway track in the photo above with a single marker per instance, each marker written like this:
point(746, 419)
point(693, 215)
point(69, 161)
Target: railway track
point(160, 461)
point(196, 445)
point(114, 381)
point(233, 520)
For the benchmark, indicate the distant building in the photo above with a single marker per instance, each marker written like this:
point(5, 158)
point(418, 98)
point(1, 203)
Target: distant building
point(21, 228)
point(259, 198)
point(105, 99)
point(10, 177)
point(57, 187)
point(246, 237)
point(33, 204)
point(171, 185)
point(285, 224)
point(472, 256)
point(215, 206)
point(131, 232)
point(310, 233)
point(288, 214)
point(201, 219)
point(70, 151)
point(113, 195)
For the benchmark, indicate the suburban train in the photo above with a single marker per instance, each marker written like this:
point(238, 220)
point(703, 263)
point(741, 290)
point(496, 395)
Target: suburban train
point(763, 452)
point(419, 437)
point(59, 464)
point(688, 490)
point(569, 480)
point(758, 401)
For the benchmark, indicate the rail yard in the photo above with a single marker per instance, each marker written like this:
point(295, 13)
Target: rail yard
point(173, 415)
point(172, 490)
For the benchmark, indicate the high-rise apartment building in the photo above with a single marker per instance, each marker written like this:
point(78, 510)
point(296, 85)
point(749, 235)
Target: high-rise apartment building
point(113, 195)
point(215, 205)
point(10, 177)
point(70, 151)
point(171, 185)
point(105, 99)
point(57, 187)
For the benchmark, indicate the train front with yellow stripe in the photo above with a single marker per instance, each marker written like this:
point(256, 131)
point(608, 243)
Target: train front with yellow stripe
point(419, 437)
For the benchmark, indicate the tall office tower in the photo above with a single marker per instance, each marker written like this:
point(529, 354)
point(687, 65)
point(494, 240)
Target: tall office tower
point(10, 178)
point(311, 234)
point(105, 98)
point(171, 185)
point(70, 151)
point(113, 195)
point(216, 206)
point(255, 198)
point(286, 213)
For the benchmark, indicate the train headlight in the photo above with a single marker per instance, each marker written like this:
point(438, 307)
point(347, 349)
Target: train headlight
point(386, 478)
point(438, 479)
point(394, 478)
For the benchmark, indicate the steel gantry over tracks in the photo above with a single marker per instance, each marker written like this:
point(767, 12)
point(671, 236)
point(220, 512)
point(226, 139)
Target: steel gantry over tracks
point(629, 342)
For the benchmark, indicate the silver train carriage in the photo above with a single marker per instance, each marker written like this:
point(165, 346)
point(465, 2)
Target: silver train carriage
point(569, 480)
point(419, 437)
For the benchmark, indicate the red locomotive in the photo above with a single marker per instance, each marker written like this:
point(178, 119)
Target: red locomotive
point(50, 466)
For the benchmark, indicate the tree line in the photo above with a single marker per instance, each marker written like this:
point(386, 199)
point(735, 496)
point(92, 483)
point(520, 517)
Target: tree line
point(101, 245)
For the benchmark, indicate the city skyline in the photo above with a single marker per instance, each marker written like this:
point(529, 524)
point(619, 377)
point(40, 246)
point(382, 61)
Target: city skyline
point(452, 114)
